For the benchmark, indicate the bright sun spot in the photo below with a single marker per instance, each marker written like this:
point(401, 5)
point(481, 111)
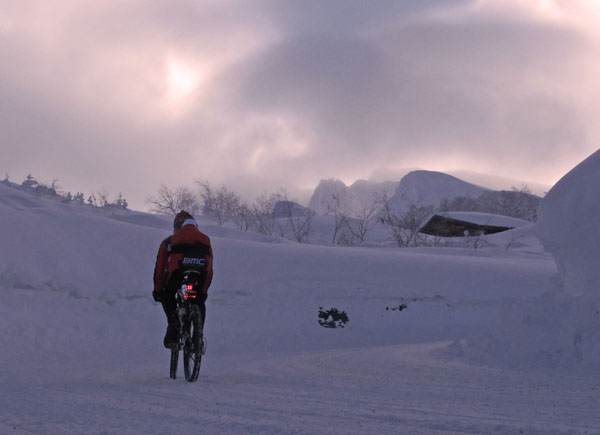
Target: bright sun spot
point(182, 80)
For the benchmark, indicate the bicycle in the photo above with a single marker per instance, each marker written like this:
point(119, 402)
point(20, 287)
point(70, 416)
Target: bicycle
point(191, 337)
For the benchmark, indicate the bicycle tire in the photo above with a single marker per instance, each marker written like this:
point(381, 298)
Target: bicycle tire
point(174, 361)
point(192, 348)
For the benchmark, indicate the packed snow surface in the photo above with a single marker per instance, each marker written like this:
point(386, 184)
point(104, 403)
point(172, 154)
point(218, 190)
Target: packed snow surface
point(82, 338)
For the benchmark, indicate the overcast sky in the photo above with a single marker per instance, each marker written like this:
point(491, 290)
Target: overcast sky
point(125, 95)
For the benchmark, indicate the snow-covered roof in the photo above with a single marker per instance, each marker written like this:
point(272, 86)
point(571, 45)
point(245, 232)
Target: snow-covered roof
point(484, 219)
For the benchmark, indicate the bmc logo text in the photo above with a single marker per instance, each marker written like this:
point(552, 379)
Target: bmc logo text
point(193, 261)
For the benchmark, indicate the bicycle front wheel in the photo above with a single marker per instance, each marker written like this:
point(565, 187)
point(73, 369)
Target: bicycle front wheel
point(192, 350)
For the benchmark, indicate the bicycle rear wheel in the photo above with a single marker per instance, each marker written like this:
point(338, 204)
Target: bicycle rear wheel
point(174, 361)
point(192, 349)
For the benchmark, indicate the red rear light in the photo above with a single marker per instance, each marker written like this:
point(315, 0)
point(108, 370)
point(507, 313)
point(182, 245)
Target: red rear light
point(189, 293)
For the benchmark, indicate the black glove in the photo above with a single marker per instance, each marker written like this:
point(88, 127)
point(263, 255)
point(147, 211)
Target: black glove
point(157, 296)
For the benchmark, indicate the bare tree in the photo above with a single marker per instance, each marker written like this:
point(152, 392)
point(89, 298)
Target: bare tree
point(363, 221)
point(517, 202)
point(298, 219)
point(101, 201)
point(404, 226)
point(339, 213)
point(220, 204)
point(302, 225)
point(171, 201)
point(102, 196)
point(263, 211)
point(243, 217)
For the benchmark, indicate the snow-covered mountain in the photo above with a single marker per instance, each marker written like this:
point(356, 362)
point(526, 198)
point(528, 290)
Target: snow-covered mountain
point(351, 199)
point(327, 193)
point(82, 347)
point(420, 188)
point(429, 188)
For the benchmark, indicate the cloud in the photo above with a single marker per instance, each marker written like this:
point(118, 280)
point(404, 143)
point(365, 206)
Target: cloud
point(490, 87)
point(260, 95)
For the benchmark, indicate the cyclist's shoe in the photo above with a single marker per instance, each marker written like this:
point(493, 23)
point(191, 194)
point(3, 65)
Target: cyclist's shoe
point(172, 336)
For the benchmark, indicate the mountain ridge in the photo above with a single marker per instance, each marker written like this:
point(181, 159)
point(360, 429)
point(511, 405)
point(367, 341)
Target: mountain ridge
point(418, 187)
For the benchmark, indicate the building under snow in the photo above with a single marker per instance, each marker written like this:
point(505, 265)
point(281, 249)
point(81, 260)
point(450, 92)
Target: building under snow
point(460, 224)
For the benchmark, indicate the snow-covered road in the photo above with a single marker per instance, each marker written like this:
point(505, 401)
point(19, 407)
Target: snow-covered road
point(393, 389)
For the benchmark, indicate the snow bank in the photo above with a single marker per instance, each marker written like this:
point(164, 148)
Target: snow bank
point(74, 249)
point(562, 327)
point(569, 227)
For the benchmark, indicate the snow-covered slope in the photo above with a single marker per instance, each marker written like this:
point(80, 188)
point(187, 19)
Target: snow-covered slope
point(82, 353)
point(429, 188)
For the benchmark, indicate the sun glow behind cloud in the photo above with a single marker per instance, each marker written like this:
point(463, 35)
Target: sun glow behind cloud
point(184, 82)
point(182, 79)
point(580, 14)
point(539, 9)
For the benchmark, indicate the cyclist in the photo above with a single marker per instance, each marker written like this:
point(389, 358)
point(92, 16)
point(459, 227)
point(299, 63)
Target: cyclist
point(186, 240)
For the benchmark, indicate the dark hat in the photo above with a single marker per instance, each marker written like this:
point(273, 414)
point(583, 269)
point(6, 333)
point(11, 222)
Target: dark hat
point(180, 218)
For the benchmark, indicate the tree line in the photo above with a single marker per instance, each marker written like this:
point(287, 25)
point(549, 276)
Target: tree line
point(99, 199)
point(269, 214)
point(276, 214)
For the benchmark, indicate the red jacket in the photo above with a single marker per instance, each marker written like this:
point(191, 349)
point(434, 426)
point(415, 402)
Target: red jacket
point(171, 252)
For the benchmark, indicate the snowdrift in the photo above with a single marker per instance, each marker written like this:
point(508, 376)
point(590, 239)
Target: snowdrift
point(562, 327)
